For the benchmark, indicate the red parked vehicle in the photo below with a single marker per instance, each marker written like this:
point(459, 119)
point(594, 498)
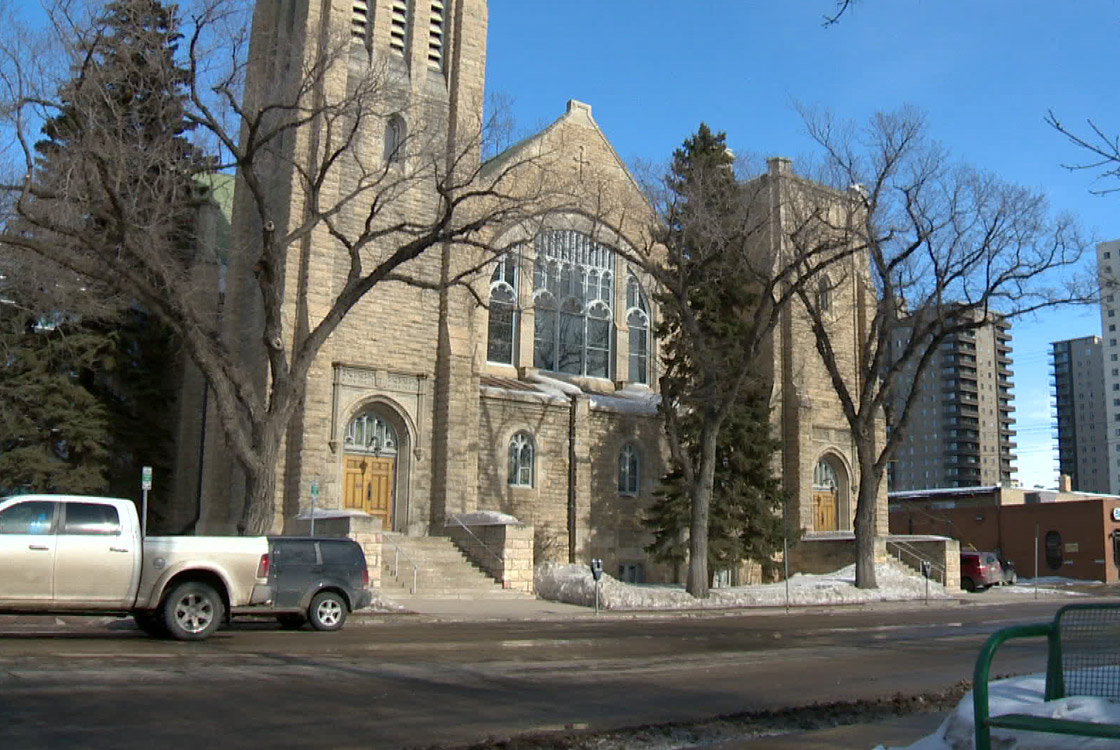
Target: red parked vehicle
point(979, 570)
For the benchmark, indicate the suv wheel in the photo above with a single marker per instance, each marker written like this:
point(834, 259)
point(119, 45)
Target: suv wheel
point(968, 585)
point(327, 611)
point(192, 612)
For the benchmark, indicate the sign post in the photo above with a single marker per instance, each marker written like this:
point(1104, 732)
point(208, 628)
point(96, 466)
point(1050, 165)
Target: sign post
point(314, 502)
point(145, 485)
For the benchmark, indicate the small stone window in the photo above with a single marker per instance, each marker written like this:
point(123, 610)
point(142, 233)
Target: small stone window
point(394, 139)
point(629, 470)
point(824, 294)
point(521, 460)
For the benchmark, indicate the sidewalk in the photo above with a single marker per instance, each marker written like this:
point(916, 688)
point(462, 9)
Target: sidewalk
point(438, 609)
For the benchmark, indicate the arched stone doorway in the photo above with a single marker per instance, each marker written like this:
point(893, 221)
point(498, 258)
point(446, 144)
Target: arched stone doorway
point(827, 486)
point(375, 456)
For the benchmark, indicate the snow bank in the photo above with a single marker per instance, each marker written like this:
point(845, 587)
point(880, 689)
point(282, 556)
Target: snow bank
point(574, 584)
point(331, 513)
point(1022, 695)
point(484, 518)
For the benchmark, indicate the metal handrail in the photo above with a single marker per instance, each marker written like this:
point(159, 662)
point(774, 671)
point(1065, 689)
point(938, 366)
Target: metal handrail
point(902, 547)
point(397, 553)
point(481, 543)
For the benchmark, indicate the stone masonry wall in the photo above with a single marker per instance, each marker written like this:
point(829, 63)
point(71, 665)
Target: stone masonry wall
point(504, 551)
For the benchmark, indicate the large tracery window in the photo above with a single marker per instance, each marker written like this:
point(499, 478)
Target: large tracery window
point(573, 293)
point(502, 332)
point(637, 318)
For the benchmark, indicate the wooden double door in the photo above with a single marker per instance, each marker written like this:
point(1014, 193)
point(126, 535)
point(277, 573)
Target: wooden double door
point(368, 486)
point(825, 504)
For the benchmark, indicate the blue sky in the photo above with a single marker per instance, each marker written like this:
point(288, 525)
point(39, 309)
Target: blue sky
point(985, 73)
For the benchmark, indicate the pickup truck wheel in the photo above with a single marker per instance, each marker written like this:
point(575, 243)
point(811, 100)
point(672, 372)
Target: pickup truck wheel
point(327, 611)
point(192, 612)
point(151, 623)
point(291, 621)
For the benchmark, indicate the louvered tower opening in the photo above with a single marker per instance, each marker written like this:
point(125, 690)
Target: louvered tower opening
point(435, 36)
point(398, 29)
point(359, 22)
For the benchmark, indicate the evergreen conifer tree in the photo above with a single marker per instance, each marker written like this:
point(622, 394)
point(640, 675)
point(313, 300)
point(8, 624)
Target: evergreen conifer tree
point(704, 247)
point(118, 150)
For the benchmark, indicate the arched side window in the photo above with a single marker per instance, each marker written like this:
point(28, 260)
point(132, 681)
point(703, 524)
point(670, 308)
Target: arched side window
point(824, 476)
point(369, 433)
point(629, 470)
point(394, 139)
point(824, 294)
point(521, 460)
point(501, 336)
point(637, 318)
point(573, 295)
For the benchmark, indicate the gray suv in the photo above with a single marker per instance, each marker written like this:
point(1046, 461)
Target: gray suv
point(317, 580)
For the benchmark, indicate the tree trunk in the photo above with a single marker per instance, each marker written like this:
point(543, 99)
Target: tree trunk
point(698, 584)
point(865, 521)
point(259, 512)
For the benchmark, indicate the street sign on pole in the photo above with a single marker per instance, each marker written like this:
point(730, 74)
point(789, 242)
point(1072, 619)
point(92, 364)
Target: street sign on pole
point(146, 478)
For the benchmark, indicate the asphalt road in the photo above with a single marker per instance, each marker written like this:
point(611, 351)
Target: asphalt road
point(405, 683)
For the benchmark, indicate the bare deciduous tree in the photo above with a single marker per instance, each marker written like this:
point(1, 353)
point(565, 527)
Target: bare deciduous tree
point(949, 249)
point(1103, 150)
point(299, 144)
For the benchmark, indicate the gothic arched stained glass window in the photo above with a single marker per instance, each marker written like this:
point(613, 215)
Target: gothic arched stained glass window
point(573, 296)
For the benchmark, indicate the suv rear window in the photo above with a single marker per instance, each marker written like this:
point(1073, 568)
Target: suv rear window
point(296, 552)
point(339, 553)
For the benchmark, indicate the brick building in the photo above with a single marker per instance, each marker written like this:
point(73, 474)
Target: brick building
point(542, 404)
point(1068, 534)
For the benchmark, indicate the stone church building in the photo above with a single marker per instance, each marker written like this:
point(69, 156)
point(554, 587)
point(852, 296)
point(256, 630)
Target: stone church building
point(542, 404)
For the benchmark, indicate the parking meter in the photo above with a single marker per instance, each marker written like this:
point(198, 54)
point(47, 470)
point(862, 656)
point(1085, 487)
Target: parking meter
point(927, 568)
point(597, 574)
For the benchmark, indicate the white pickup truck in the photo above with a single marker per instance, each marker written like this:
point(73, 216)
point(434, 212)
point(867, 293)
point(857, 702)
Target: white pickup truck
point(68, 554)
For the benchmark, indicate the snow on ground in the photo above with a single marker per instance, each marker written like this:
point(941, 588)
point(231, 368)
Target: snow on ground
point(483, 518)
point(1023, 695)
point(574, 584)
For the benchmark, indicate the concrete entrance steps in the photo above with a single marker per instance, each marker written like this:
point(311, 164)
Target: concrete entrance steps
point(441, 570)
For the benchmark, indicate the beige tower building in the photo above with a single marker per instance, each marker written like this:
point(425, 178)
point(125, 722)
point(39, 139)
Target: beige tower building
point(542, 404)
